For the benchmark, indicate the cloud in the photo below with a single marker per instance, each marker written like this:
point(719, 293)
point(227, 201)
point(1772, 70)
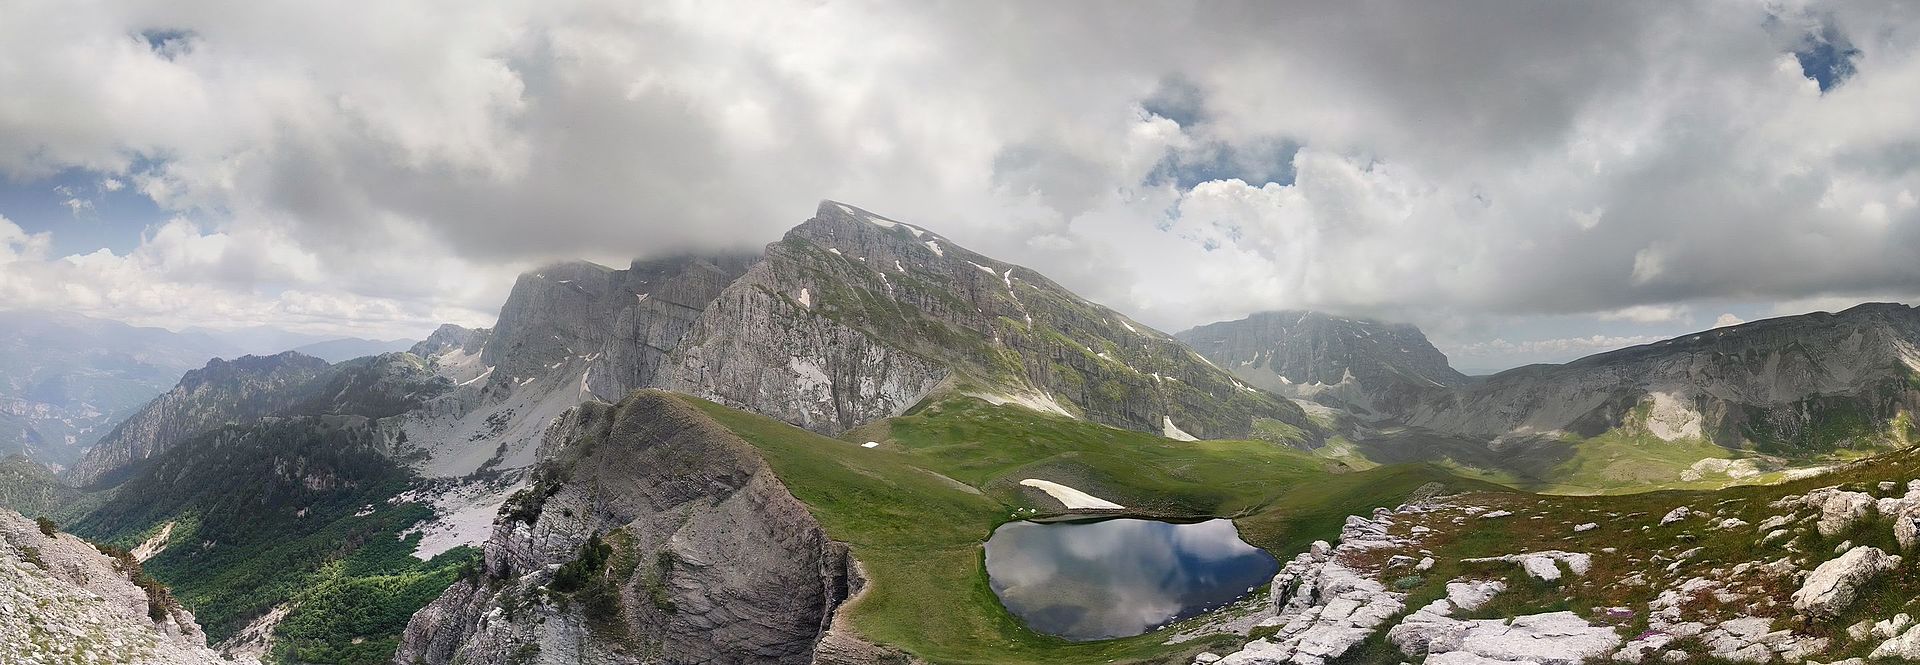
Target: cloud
point(1727, 320)
point(1180, 162)
point(1646, 314)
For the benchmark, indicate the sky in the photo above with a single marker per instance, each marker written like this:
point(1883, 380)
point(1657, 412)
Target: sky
point(1528, 182)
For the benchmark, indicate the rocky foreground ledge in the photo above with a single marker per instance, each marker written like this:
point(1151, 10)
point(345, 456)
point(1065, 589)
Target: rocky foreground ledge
point(63, 601)
point(1727, 589)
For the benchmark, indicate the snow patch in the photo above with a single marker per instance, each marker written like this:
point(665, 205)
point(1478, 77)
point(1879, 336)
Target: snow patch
point(1041, 402)
point(1074, 499)
point(806, 298)
point(870, 444)
point(985, 269)
point(935, 246)
point(1169, 430)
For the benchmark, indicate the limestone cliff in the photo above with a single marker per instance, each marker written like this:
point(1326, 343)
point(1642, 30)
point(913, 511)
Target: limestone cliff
point(651, 534)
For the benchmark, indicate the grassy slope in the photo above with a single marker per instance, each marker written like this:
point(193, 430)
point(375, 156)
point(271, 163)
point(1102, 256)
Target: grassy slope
point(1630, 525)
point(917, 508)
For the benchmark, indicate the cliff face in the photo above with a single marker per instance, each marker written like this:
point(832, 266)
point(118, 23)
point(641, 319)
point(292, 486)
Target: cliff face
point(1788, 385)
point(853, 317)
point(1371, 366)
point(651, 534)
point(619, 322)
point(225, 391)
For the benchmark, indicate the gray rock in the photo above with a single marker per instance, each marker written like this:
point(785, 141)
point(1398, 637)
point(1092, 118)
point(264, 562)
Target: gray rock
point(1830, 588)
point(1370, 366)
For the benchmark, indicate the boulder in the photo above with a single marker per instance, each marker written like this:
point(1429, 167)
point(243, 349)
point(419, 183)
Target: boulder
point(1676, 515)
point(1830, 588)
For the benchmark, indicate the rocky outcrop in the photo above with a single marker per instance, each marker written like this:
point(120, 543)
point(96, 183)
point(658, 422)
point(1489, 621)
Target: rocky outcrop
point(225, 391)
point(1830, 588)
point(853, 317)
point(63, 601)
point(1368, 366)
point(651, 534)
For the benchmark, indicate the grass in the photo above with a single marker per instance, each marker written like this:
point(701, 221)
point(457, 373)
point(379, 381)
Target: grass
point(1629, 524)
point(917, 508)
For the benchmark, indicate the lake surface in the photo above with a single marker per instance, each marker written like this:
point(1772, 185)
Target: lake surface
point(1120, 577)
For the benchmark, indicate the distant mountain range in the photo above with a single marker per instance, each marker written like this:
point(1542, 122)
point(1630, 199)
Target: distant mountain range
point(67, 379)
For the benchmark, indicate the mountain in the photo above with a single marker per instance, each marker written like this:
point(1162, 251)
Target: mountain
point(250, 388)
point(66, 379)
point(1368, 366)
point(224, 391)
point(1793, 386)
point(347, 348)
point(853, 317)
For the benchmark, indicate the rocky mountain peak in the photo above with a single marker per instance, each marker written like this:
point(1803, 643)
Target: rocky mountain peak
point(853, 317)
point(1365, 364)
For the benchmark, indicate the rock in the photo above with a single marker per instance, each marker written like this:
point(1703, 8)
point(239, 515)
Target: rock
point(1494, 514)
point(1905, 647)
point(1206, 657)
point(1676, 515)
point(1906, 528)
point(1426, 563)
point(1469, 596)
point(1583, 528)
point(1838, 509)
point(1544, 565)
point(1830, 588)
point(756, 578)
point(1731, 523)
point(1890, 628)
point(1774, 522)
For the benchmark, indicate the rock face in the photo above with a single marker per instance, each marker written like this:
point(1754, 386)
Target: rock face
point(225, 391)
point(1830, 588)
point(63, 601)
point(853, 317)
point(693, 551)
point(1366, 365)
point(1792, 385)
point(620, 322)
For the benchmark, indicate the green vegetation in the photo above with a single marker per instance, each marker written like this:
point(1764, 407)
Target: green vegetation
point(1625, 460)
point(312, 529)
point(353, 611)
point(917, 509)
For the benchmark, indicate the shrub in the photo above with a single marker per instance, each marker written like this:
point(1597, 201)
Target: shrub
point(47, 527)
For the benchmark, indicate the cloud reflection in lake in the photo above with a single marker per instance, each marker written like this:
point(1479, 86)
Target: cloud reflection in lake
point(1120, 577)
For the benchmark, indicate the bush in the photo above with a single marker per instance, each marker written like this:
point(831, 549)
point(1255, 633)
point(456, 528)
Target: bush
point(47, 527)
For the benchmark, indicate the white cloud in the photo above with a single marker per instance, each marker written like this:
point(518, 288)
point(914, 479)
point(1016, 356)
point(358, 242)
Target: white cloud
point(1646, 314)
point(405, 159)
point(1726, 320)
